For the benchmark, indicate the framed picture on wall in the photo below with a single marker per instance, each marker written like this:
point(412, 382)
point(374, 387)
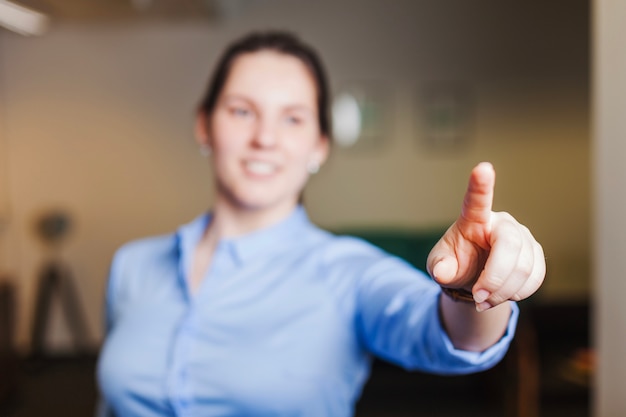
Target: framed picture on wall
point(444, 116)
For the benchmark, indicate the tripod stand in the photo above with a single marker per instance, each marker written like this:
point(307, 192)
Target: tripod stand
point(55, 279)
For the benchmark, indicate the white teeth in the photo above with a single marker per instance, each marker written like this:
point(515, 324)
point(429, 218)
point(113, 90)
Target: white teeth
point(260, 168)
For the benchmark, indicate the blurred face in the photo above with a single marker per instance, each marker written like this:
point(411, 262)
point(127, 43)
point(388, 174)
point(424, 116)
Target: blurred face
point(264, 132)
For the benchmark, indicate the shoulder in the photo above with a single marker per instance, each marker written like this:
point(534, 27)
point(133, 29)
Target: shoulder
point(144, 250)
point(138, 260)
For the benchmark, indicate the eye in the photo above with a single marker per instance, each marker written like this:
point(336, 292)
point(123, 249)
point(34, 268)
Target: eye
point(293, 120)
point(239, 111)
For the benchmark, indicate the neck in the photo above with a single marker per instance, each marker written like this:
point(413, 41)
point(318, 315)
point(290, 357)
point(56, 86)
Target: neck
point(229, 221)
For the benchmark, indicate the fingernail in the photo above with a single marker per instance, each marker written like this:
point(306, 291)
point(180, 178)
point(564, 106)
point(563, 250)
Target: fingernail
point(481, 295)
point(480, 307)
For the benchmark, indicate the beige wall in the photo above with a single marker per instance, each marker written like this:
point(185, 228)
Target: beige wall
point(99, 120)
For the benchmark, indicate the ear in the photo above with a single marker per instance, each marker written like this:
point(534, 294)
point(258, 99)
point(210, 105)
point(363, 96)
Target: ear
point(202, 130)
point(322, 150)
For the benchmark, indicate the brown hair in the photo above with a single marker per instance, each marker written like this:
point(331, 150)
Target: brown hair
point(285, 43)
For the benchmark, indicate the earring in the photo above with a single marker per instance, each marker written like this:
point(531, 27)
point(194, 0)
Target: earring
point(205, 150)
point(313, 167)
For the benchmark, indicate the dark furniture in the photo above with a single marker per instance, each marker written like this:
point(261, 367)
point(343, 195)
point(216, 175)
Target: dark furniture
point(8, 357)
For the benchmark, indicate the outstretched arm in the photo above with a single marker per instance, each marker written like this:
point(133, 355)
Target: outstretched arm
point(490, 255)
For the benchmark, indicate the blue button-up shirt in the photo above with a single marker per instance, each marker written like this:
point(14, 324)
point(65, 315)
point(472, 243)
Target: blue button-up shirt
point(283, 324)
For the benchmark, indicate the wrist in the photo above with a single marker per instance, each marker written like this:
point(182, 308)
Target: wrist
point(458, 294)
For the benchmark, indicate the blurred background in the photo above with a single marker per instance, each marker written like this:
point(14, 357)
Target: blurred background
point(96, 144)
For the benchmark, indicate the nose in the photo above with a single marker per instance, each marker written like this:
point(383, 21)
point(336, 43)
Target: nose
point(265, 135)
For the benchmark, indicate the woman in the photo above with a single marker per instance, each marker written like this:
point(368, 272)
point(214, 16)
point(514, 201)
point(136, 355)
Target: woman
point(251, 310)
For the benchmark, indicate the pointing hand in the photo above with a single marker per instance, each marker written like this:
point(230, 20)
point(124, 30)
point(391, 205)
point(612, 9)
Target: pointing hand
point(485, 252)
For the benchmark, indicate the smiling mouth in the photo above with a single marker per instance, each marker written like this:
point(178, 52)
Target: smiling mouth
point(260, 167)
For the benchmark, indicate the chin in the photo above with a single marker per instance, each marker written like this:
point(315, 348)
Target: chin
point(252, 197)
point(263, 202)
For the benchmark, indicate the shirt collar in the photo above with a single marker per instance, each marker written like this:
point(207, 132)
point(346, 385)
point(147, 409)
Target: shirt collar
point(247, 246)
point(274, 237)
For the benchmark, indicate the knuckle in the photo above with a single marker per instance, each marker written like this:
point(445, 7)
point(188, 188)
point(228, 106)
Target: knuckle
point(537, 280)
point(493, 283)
point(498, 298)
point(529, 288)
point(526, 266)
point(539, 249)
point(505, 216)
point(512, 242)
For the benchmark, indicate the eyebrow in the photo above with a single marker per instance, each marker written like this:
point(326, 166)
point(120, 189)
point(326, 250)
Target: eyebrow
point(299, 107)
point(236, 97)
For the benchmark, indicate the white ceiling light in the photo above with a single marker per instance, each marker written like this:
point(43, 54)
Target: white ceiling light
point(21, 19)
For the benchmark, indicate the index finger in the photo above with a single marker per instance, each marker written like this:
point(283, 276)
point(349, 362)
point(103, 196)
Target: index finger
point(479, 195)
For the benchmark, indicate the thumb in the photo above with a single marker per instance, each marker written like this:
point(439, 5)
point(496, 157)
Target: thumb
point(442, 263)
point(445, 270)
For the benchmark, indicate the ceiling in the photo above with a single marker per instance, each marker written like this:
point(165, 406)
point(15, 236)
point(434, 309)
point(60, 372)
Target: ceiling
point(113, 10)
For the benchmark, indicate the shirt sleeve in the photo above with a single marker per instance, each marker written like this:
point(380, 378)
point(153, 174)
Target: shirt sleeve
point(399, 321)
